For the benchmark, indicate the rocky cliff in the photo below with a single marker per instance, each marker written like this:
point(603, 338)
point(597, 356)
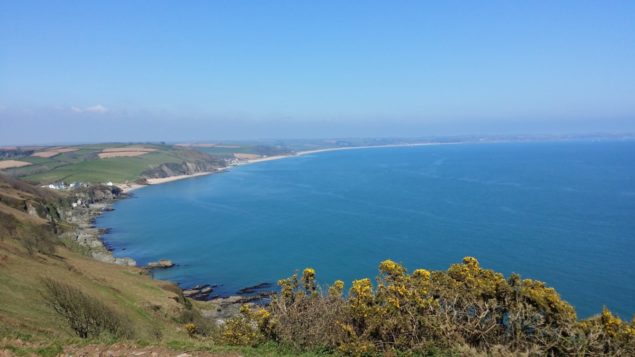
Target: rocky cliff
point(68, 215)
point(194, 162)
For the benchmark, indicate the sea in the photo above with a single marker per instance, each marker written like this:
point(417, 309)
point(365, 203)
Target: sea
point(559, 212)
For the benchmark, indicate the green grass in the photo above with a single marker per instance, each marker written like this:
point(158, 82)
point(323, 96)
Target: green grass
point(51, 350)
point(119, 169)
point(85, 166)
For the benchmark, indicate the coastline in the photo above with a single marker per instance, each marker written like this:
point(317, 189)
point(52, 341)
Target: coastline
point(317, 151)
point(129, 187)
point(104, 253)
point(88, 228)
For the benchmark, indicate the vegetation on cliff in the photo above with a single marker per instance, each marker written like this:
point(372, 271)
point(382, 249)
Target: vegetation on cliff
point(466, 310)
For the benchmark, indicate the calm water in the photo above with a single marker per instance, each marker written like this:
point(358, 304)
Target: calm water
point(559, 212)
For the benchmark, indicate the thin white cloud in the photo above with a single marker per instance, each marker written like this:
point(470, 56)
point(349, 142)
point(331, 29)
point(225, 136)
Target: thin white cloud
point(96, 109)
point(92, 109)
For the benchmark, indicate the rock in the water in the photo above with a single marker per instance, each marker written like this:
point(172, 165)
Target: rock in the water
point(161, 264)
point(253, 289)
point(199, 292)
point(190, 292)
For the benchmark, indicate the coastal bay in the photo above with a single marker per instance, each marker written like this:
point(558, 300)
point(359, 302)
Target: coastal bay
point(423, 206)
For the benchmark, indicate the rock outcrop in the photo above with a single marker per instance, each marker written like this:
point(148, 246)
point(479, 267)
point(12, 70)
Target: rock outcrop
point(161, 264)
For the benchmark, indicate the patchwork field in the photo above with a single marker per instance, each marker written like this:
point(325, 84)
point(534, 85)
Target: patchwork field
point(242, 156)
point(119, 163)
point(7, 164)
point(124, 152)
point(96, 163)
point(53, 152)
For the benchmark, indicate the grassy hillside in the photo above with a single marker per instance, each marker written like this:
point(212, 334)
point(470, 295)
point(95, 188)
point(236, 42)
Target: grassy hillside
point(139, 314)
point(31, 253)
point(85, 164)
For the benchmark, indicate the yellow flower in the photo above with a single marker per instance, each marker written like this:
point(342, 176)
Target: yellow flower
point(391, 268)
point(421, 274)
point(336, 289)
point(361, 288)
point(471, 262)
point(190, 328)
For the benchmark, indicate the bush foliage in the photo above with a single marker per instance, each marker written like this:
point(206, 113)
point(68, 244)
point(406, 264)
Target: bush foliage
point(86, 315)
point(466, 308)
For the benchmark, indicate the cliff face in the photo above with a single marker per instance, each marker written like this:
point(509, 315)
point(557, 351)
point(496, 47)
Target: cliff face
point(192, 162)
point(32, 203)
point(26, 208)
point(88, 204)
point(183, 168)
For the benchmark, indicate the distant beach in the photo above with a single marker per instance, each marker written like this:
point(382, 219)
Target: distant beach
point(129, 187)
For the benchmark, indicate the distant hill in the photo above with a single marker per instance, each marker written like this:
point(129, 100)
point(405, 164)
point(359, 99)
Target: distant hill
point(118, 163)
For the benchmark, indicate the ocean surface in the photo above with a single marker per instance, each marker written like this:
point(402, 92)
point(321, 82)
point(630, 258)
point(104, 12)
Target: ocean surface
point(561, 212)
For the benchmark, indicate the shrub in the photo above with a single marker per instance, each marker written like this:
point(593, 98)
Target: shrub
point(195, 323)
point(36, 240)
point(241, 330)
point(86, 315)
point(466, 308)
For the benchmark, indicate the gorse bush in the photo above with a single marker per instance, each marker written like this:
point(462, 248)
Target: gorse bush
point(87, 316)
point(466, 308)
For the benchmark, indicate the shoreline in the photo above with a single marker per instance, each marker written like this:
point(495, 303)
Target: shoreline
point(130, 187)
point(342, 148)
point(127, 188)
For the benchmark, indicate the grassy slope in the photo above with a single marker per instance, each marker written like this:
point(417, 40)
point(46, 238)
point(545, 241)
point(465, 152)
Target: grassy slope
point(28, 325)
point(84, 165)
point(119, 169)
point(23, 308)
point(149, 304)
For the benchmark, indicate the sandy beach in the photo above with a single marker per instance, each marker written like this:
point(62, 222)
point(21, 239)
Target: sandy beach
point(129, 187)
point(316, 151)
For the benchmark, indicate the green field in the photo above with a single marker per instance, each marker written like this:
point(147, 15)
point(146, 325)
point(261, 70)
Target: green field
point(85, 165)
point(120, 169)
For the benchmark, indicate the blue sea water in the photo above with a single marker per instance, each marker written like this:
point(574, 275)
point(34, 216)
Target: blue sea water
point(561, 212)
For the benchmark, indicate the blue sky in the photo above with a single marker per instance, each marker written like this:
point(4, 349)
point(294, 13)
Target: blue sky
point(188, 70)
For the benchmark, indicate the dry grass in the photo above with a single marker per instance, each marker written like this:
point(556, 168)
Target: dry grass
point(9, 164)
point(124, 152)
point(53, 152)
point(129, 149)
point(242, 156)
point(145, 303)
point(109, 155)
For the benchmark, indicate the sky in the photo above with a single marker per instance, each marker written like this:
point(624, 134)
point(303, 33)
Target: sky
point(88, 71)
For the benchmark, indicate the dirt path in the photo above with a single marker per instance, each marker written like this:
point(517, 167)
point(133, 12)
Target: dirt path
point(123, 350)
